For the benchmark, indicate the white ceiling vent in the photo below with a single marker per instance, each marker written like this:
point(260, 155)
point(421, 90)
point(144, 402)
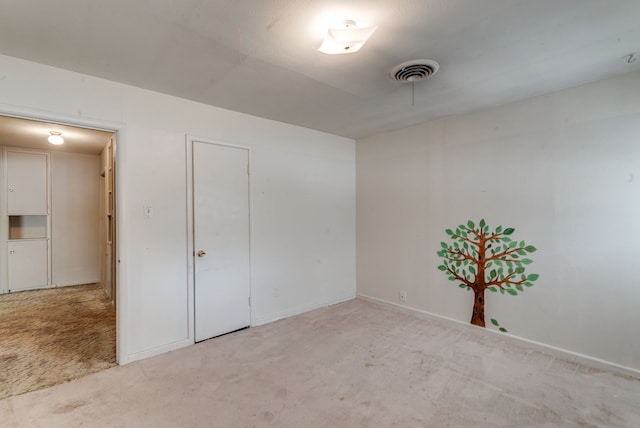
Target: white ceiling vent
point(412, 71)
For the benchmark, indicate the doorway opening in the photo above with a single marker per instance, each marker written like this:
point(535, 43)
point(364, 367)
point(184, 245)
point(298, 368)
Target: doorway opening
point(57, 253)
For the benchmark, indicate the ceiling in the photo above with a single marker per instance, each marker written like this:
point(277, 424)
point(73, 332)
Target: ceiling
point(261, 58)
point(17, 132)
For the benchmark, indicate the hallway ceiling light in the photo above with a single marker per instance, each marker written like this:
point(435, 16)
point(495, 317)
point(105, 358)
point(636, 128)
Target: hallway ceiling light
point(347, 38)
point(55, 138)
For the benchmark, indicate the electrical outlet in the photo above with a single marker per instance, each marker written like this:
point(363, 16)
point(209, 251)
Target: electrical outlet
point(402, 295)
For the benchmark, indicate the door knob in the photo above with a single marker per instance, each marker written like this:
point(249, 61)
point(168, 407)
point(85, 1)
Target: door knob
point(201, 253)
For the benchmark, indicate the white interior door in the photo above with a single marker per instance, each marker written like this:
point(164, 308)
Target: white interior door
point(221, 239)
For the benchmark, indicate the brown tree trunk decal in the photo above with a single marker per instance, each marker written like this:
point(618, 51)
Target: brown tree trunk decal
point(477, 317)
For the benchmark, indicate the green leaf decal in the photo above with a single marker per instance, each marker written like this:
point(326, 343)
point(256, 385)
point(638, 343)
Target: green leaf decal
point(533, 277)
point(512, 291)
point(498, 229)
point(494, 322)
point(442, 267)
point(530, 248)
point(449, 232)
point(509, 231)
point(502, 329)
point(471, 224)
point(527, 261)
point(482, 224)
point(444, 245)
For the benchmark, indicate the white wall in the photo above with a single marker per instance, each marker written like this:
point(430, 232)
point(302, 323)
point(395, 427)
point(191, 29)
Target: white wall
point(562, 169)
point(303, 200)
point(75, 218)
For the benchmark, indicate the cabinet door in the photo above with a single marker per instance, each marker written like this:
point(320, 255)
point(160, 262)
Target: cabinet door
point(28, 263)
point(27, 183)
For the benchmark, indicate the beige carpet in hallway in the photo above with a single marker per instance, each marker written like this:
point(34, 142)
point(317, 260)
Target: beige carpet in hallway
point(356, 364)
point(54, 335)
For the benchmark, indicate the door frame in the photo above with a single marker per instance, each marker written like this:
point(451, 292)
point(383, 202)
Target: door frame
point(120, 223)
point(191, 259)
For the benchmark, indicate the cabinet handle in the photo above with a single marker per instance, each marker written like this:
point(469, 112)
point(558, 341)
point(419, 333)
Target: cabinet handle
point(12, 252)
point(11, 189)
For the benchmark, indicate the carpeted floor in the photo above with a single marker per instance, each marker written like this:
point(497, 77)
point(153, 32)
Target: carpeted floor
point(55, 335)
point(356, 364)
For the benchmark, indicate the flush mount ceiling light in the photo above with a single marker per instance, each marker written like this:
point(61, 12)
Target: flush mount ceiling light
point(55, 138)
point(347, 38)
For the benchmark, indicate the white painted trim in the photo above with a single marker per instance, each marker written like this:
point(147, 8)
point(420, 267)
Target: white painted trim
point(554, 350)
point(121, 240)
point(4, 226)
point(190, 243)
point(300, 310)
point(158, 350)
point(190, 139)
point(51, 117)
point(118, 250)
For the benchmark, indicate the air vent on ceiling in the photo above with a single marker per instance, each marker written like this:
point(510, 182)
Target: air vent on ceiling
point(412, 71)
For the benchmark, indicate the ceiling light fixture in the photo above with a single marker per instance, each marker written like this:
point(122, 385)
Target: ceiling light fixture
point(347, 38)
point(55, 138)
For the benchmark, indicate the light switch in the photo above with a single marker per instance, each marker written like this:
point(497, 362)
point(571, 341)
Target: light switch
point(148, 211)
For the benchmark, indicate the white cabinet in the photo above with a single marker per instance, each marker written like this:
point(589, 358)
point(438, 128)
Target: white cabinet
point(28, 264)
point(27, 190)
point(27, 220)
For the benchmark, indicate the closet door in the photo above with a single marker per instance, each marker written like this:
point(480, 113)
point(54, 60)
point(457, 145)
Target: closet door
point(221, 239)
point(28, 267)
point(27, 183)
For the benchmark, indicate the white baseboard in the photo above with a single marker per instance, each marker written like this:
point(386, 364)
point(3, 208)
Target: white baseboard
point(299, 310)
point(554, 350)
point(156, 351)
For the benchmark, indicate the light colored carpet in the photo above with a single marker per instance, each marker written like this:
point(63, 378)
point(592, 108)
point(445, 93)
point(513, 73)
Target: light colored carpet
point(54, 335)
point(357, 364)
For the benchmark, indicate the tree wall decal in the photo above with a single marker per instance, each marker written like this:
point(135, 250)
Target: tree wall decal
point(479, 260)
